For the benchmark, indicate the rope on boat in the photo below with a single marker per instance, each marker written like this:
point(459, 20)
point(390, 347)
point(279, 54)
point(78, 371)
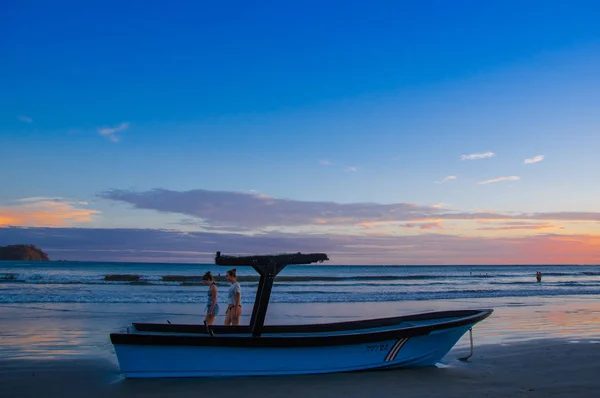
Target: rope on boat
point(465, 359)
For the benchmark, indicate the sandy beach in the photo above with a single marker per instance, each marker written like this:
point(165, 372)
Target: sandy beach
point(552, 367)
point(534, 347)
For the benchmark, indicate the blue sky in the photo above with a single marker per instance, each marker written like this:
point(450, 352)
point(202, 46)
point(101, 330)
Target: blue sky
point(343, 102)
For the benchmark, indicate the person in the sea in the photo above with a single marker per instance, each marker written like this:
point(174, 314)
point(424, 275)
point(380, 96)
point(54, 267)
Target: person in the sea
point(234, 307)
point(538, 276)
point(212, 307)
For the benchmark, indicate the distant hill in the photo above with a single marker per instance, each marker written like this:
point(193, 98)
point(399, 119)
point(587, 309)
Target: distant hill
point(22, 252)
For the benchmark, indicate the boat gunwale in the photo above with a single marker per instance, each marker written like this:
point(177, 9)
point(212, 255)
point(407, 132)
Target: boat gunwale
point(304, 328)
point(270, 341)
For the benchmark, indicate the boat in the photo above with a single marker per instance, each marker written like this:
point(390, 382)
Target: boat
point(157, 350)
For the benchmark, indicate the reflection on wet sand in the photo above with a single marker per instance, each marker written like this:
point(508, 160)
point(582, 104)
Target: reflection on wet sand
point(82, 330)
point(565, 319)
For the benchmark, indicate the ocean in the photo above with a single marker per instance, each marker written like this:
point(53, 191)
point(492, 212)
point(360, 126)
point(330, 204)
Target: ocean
point(89, 282)
point(52, 310)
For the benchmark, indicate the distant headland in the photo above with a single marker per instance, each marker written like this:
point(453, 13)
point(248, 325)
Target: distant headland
point(22, 252)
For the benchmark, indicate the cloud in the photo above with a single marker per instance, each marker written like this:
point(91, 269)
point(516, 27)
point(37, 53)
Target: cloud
point(510, 178)
point(351, 169)
point(424, 225)
point(238, 210)
point(534, 159)
point(200, 247)
point(446, 179)
point(227, 209)
point(519, 226)
point(25, 119)
point(325, 163)
point(45, 212)
point(476, 156)
point(493, 216)
point(562, 216)
point(110, 132)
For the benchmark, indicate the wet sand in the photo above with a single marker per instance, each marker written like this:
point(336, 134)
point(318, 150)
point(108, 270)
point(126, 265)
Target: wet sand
point(552, 367)
point(535, 347)
point(59, 330)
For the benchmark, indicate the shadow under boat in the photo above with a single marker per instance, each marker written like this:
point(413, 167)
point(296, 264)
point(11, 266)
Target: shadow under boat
point(180, 350)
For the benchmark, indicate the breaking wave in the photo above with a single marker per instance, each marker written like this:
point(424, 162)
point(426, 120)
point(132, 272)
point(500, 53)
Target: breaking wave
point(296, 297)
point(52, 278)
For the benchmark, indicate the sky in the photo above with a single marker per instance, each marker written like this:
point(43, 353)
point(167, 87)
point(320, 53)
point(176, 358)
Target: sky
point(377, 132)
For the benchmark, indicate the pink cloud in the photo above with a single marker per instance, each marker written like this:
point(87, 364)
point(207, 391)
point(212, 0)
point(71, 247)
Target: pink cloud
point(424, 225)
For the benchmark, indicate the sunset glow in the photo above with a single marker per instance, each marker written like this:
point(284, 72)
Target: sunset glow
point(45, 213)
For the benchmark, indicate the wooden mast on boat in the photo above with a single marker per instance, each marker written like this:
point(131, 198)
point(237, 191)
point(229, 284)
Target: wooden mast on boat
point(267, 266)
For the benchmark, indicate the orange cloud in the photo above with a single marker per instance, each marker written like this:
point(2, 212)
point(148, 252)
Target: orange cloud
point(40, 212)
point(517, 226)
point(369, 224)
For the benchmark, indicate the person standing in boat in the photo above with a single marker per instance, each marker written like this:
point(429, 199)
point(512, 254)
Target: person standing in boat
point(234, 307)
point(212, 307)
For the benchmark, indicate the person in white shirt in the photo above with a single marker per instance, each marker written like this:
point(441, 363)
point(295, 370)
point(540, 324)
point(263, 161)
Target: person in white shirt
point(234, 307)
